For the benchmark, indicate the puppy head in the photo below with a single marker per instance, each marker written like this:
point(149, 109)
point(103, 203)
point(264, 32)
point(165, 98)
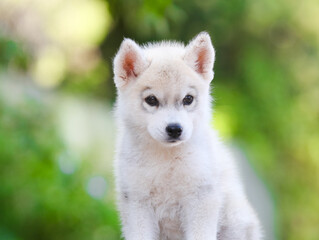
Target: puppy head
point(163, 89)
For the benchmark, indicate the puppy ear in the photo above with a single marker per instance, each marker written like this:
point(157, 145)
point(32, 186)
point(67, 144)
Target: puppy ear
point(200, 55)
point(128, 63)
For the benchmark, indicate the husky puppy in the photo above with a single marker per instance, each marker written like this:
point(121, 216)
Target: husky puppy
point(175, 179)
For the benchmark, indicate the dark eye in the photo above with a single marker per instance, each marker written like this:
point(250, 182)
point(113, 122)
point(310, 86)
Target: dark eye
point(188, 99)
point(152, 101)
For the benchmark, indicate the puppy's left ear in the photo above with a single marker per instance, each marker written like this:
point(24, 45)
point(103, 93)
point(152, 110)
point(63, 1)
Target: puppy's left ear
point(200, 55)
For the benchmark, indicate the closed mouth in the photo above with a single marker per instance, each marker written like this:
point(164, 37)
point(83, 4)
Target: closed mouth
point(173, 140)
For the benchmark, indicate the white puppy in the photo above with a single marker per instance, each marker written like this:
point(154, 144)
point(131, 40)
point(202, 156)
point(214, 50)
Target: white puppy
point(175, 179)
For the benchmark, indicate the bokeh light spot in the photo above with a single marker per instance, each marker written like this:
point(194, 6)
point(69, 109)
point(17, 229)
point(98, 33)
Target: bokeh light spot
point(50, 67)
point(96, 187)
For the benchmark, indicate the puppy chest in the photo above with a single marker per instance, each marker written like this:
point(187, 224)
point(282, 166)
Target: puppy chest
point(168, 212)
point(167, 190)
point(170, 185)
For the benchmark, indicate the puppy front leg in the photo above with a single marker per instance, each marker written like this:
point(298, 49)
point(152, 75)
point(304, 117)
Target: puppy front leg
point(139, 222)
point(201, 218)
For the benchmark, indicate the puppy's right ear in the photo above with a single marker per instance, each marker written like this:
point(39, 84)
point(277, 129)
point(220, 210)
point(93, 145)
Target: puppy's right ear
point(200, 55)
point(128, 63)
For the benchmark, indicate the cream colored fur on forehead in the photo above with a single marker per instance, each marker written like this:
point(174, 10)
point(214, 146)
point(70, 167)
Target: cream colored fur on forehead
point(164, 49)
point(164, 44)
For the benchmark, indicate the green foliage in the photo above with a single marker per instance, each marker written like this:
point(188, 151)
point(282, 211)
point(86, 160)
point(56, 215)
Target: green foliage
point(38, 201)
point(12, 54)
point(95, 82)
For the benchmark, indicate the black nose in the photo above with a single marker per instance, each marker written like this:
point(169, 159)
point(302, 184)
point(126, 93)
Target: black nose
point(174, 130)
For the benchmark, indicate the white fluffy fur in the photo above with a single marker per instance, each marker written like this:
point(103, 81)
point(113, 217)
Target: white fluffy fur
point(183, 190)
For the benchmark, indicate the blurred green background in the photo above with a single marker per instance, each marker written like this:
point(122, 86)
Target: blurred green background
point(56, 93)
